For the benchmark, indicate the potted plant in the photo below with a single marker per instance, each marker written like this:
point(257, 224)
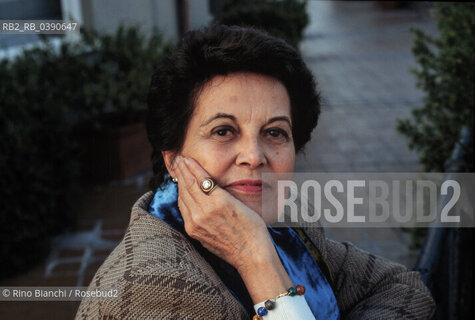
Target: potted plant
point(111, 130)
point(38, 166)
point(286, 19)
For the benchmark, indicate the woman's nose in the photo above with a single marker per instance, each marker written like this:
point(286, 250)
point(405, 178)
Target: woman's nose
point(250, 153)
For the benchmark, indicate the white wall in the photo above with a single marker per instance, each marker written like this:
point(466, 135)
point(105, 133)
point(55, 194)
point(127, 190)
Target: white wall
point(106, 15)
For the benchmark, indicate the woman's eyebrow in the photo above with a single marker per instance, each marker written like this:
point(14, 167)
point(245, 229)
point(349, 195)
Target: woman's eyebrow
point(280, 118)
point(219, 115)
point(233, 118)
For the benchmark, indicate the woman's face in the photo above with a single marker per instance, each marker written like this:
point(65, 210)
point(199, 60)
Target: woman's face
point(241, 127)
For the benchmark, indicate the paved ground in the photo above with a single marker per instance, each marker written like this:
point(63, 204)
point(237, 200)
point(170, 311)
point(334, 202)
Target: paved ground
point(75, 257)
point(360, 55)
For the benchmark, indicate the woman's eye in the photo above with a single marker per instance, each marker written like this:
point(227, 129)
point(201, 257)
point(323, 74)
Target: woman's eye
point(277, 133)
point(223, 132)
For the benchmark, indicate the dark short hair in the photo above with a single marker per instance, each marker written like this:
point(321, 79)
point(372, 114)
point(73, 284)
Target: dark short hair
point(219, 50)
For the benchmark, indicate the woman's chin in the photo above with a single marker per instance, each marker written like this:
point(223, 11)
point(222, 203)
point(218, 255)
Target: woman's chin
point(254, 202)
point(253, 205)
point(266, 215)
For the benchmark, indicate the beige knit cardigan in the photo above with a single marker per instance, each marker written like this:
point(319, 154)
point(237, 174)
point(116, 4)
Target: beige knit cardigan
point(159, 275)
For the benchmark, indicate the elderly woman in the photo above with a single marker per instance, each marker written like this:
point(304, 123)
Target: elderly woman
point(227, 105)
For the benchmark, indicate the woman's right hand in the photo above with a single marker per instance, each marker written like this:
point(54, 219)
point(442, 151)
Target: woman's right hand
point(231, 230)
point(223, 224)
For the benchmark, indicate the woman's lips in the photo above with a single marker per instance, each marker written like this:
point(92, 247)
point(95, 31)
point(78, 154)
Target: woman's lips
point(248, 186)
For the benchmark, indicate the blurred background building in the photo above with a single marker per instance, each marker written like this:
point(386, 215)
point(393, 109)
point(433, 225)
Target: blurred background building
point(172, 17)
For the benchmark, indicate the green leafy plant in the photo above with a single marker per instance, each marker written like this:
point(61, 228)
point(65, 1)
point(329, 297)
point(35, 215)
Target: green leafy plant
point(37, 163)
point(122, 65)
point(285, 19)
point(45, 92)
point(446, 74)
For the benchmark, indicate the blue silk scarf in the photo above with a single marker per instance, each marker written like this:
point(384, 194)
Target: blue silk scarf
point(294, 254)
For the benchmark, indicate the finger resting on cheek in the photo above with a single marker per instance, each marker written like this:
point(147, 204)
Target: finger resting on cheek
point(193, 187)
point(186, 196)
point(196, 170)
point(185, 179)
point(194, 167)
point(189, 178)
point(193, 171)
point(178, 174)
